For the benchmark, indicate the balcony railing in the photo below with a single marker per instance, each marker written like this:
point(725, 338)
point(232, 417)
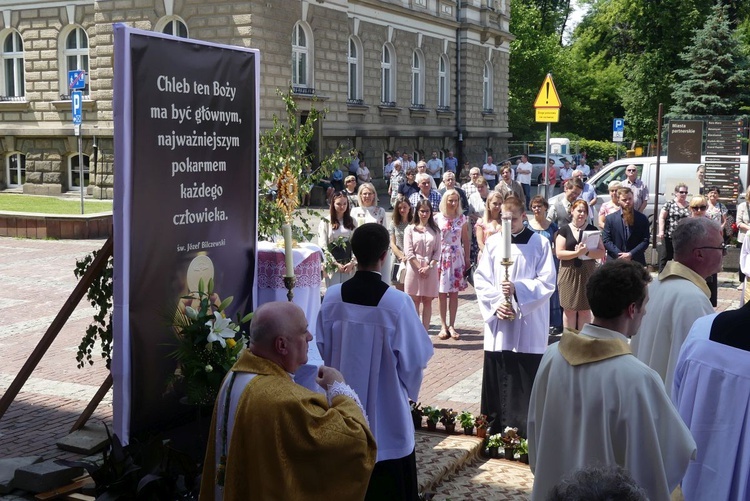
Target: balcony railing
point(355, 102)
point(15, 99)
point(304, 90)
point(388, 104)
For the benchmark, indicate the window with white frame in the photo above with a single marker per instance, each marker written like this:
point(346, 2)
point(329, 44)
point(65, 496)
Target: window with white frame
point(12, 84)
point(74, 174)
point(175, 27)
point(15, 170)
point(417, 79)
point(76, 54)
point(354, 61)
point(487, 87)
point(444, 83)
point(301, 58)
point(387, 77)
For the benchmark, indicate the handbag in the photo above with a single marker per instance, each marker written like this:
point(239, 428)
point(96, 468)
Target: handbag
point(401, 273)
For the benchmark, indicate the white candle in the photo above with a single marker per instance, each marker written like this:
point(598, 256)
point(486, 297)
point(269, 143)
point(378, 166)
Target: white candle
point(506, 239)
point(286, 230)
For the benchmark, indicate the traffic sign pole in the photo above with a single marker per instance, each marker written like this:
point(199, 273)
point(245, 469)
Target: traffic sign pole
point(547, 109)
point(77, 80)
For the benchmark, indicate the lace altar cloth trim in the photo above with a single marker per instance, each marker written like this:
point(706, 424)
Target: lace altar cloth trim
point(271, 270)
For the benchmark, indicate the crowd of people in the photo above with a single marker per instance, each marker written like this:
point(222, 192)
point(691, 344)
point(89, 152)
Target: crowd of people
point(621, 387)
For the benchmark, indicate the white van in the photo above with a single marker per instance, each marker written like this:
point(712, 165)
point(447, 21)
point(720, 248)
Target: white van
point(669, 176)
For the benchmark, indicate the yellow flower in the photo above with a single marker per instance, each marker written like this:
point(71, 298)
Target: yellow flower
point(231, 343)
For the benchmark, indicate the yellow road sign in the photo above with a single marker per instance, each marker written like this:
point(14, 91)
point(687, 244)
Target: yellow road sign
point(548, 115)
point(547, 97)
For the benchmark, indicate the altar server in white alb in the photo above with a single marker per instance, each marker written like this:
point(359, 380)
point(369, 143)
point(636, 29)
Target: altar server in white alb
point(595, 404)
point(712, 393)
point(515, 337)
point(371, 333)
point(680, 295)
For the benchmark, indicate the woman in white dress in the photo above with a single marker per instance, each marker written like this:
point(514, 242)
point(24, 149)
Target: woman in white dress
point(333, 238)
point(369, 212)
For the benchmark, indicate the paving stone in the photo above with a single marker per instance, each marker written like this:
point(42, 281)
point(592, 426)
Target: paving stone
point(8, 469)
point(88, 440)
point(45, 476)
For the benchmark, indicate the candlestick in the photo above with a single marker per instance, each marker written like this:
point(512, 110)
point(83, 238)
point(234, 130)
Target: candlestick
point(507, 263)
point(506, 218)
point(286, 229)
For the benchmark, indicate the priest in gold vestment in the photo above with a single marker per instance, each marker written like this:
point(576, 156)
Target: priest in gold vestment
point(274, 439)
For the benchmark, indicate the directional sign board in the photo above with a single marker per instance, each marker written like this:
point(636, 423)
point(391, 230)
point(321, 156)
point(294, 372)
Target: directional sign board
point(76, 97)
point(77, 79)
point(618, 130)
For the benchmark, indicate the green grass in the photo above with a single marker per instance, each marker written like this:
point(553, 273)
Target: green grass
point(51, 205)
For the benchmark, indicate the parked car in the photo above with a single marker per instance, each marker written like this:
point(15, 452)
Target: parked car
point(538, 162)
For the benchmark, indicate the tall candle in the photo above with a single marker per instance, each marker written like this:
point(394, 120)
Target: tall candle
point(506, 239)
point(286, 230)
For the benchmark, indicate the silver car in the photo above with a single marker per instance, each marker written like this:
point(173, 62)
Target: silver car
point(538, 162)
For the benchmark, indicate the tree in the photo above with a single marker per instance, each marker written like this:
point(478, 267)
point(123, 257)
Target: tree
point(714, 80)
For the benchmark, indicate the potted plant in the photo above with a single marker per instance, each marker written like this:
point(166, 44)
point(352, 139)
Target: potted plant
point(433, 416)
point(481, 423)
point(523, 451)
point(493, 445)
point(510, 441)
point(466, 419)
point(448, 418)
point(416, 414)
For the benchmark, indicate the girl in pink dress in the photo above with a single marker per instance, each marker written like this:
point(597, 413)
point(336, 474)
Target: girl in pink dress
point(422, 248)
point(454, 259)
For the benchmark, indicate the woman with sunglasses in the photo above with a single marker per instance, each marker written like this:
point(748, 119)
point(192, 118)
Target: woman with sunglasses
point(422, 249)
point(350, 189)
point(670, 215)
point(716, 210)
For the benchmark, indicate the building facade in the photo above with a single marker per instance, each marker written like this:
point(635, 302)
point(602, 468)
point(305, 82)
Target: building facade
point(408, 75)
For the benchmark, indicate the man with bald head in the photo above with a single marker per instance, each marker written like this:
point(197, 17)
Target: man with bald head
point(275, 439)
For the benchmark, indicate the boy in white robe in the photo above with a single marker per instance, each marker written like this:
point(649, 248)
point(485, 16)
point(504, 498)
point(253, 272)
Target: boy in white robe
point(373, 335)
point(712, 393)
point(514, 346)
point(594, 403)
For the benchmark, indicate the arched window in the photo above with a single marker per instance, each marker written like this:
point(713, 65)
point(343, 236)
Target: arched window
point(417, 79)
point(12, 71)
point(387, 78)
point(302, 48)
point(444, 83)
point(487, 87)
point(15, 170)
point(175, 27)
point(76, 55)
point(354, 62)
point(74, 175)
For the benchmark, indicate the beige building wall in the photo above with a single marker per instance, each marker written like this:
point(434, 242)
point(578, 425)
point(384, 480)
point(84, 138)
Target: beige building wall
point(38, 125)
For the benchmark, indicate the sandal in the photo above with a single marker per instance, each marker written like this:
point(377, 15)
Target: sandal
point(443, 334)
point(454, 334)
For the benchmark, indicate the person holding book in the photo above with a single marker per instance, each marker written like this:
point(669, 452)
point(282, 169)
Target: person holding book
point(577, 246)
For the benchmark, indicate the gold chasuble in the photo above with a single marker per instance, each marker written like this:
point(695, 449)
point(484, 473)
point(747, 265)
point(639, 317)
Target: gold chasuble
point(288, 443)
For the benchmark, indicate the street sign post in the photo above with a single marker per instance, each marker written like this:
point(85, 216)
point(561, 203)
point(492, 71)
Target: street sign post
point(76, 98)
point(76, 82)
point(618, 130)
point(547, 109)
point(76, 79)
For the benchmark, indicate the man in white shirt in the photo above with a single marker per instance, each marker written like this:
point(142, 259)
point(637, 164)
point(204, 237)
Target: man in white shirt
point(435, 167)
point(489, 171)
point(523, 176)
point(373, 335)
point(680, 295)
point(566, 172)
point(583, 167)
point(595, 404)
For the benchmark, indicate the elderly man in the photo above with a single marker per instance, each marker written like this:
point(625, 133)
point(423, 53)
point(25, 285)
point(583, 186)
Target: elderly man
point(711, 390)
point(435, 167)
point(559, 212)
point(680, 295)
point(566, 172)
point(373, 335)
point(470, 187)
point(594, 404)
point(449, 180)
point(639, 188)
point(507, 186)
point(489, 171)
point(276, 439)
point(421, 167)
point(626, 232)
point(425, 192)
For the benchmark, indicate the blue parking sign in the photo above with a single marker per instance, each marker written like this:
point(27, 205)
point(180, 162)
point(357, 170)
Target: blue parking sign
point(76, 98)
point(618, 130)
point(77, 79)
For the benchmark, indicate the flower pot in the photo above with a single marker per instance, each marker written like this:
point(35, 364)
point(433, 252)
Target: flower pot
point(417, 422)
point(482, 432)
point(468, 430)
point(524, 458)
point(431, 426)
point(450, 428)
point(510, 453)
point(494, 452)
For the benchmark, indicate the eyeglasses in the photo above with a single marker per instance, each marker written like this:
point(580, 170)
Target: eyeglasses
point(699, 207)
point(682, 192)
point(629, 170)
point(722, 248)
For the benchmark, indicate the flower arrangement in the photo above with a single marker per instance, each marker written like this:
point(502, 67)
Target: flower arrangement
point(481, 422)
point(510, 437)
point(523, 447)
point(339, 252)
point(448, 417)
point(432, 414)
point(495, 441)
point(466, 419)
point(209, 343)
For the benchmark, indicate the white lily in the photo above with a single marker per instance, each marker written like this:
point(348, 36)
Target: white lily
point(220, 329)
